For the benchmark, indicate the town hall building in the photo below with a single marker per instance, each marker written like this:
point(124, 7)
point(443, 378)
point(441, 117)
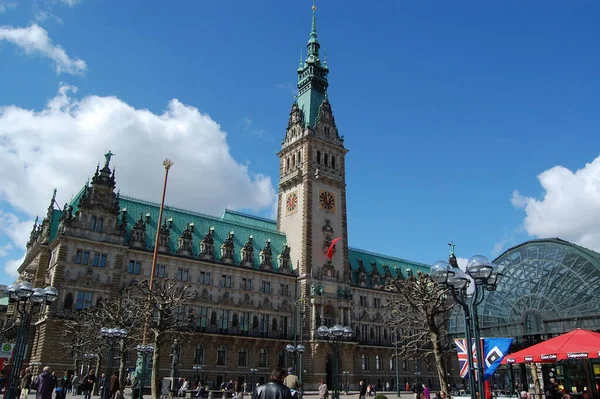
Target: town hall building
point(261, 283)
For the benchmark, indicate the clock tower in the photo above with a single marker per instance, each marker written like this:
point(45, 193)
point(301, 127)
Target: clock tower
point(312, 183)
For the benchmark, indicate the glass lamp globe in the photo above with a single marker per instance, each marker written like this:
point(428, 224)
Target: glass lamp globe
point(348, 333)
point(440, 272)
point(300, 348)
point(25, 290)
point(337, 331)
point(459, 280)
point(323, 332)
point(479, 268)
point(38, 295)
point(51, 294)
point(289, 348)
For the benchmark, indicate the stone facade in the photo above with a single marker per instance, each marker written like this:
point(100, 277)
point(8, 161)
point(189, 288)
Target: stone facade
point(254, 277)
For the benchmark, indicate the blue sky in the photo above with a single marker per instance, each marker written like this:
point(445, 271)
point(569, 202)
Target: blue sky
point(447, 108)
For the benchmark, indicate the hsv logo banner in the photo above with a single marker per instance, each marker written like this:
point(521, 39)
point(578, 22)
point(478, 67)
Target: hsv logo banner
point(492, 349)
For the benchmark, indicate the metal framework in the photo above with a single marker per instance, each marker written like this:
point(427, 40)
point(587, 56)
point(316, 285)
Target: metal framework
point(550, 287)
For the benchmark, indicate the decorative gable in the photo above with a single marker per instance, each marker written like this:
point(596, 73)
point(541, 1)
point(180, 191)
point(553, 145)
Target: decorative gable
point(138, 234)
point(247, 253)
point(164, 238)
point(184, 242)
point(266, 257)
point(361, 274)
point(283, 260)
point(375, 277)
point(227, 249)
point(207, 245)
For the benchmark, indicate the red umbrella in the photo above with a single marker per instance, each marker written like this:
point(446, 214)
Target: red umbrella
point(577, 344)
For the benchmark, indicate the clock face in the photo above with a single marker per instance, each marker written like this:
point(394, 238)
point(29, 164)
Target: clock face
point(327, 200)
point(291, 202)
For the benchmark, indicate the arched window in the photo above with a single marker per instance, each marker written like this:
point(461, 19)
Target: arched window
point(364, 362)
point(319, 157)
point(221, 355)
point(377, 363)
point(93, 224)
point(263, 358)
point(392, 364)
point(199, 354)
point(68, 304)
point(243, 357)
point(99, 225)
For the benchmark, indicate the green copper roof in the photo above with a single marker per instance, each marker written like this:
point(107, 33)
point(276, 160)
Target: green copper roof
point(312, 78)
point(56, 215)
point(354, 255)
point(242, 228)
point(244, 218)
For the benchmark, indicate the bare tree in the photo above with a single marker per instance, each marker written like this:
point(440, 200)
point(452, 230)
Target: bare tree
point(420, 311)
point(82, 328)
point(168, 313)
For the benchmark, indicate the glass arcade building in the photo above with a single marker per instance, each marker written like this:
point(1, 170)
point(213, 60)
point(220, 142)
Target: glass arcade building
point(550, 287)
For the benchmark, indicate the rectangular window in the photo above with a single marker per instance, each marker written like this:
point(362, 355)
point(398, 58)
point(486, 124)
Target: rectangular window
point(284, 289)
point(84, 300)
point(134, 267)
point(325, 159)
point(364, 332)
point(245, 322)
point(265, 287)
point(319, 157)
point(99, 260)
point(79, 256)
point(202, 317)
point(103, 260)
point(333, 162)
point(376, 303)
point(85, 257)
point(183, 274)
point(160, 271)
point(246, 284)
point(363, 300)
point(204, 278)
point(225, 281)
point(264, 324)
point(223, 320)
point(284, 326)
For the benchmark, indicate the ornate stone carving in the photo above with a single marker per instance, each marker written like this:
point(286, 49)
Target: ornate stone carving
point(164, 238)
point(138, 233)
point(247, 253)
point(361, 274)
point(387, 274)
point(207, 245)
point(184, 242)
point(283, 260)
point(375, 276)
point(266, 257)
point(227, 249)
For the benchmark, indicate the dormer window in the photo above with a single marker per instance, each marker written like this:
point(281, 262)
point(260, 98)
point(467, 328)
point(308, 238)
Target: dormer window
point(326, 131)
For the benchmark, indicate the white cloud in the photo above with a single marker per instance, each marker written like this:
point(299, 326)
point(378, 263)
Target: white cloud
point(60, 145)
point(5, 249)
point(10, 225)
point(6, 6)
point(70, 3)
point(35, 40)
point(11, 266)
point(569, 207)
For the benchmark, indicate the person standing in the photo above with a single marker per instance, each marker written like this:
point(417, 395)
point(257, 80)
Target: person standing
point(274, 389)
point(74, 385)
point(114, 385)
point(417, 389)
point(26, 383)
point(362, 389)
point(291, 380)
point(426, 392)
point(323, 391)
point(88, 385)
point(44, 384)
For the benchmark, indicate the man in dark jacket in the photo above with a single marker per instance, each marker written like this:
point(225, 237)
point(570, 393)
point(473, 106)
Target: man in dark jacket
point(274, 389)
point(44, 384)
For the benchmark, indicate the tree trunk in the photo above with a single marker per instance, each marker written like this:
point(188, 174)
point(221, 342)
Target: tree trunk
point(97, 384)
point(439, 361)
point(122, 366)
point(154, 382)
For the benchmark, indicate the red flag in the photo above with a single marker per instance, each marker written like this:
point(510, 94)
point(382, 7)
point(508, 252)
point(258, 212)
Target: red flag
point(330, 249)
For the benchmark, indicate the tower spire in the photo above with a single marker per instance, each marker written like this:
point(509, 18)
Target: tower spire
point(312, 77)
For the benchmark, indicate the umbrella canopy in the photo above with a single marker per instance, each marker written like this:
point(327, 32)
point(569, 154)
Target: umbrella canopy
point(577, 344)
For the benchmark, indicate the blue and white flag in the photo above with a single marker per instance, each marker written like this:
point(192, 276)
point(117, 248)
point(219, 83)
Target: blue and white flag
point(494, 350)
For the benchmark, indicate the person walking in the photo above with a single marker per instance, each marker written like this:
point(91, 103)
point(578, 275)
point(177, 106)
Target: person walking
point(44, 384)
point(114, 385)
point(274, 389)
point(88, 384)
point(26, 383)
point(75, 385)
point(291, 380)
point(362, 389)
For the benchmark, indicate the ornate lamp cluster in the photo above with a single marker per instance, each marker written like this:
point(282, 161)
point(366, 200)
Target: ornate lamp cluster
point(28, 302)
point(486, 276)
point(335, 336)
point(112, 336)
point(144, 351)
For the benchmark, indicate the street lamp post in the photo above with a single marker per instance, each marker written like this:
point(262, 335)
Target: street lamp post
point(28, 301)
point(252, 373)
point(335, 337)
point(486, 277)
point(297, 353)
point(144, 351)
point(112, 336)
point(197, 368)
point(88, 359)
